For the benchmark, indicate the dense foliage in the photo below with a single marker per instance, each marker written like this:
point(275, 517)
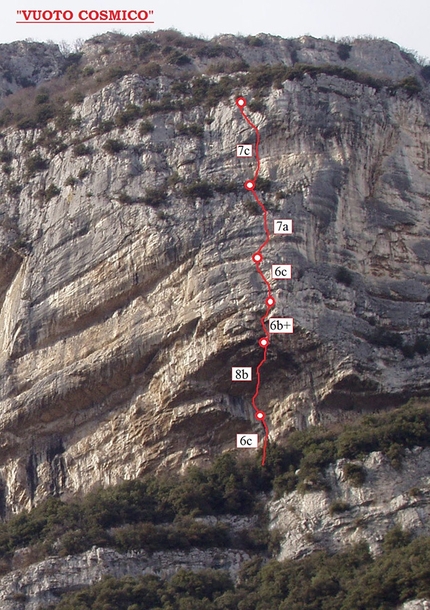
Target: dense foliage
point(157, 513)
point(150, 514)
point(351, 580)
point(311, 451)
point(200, 72)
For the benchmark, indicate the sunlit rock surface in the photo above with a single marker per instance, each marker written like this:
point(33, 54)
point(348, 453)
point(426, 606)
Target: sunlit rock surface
point(120, 321)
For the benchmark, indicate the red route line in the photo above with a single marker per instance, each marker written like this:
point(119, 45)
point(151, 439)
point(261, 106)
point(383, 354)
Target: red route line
point(257, 257)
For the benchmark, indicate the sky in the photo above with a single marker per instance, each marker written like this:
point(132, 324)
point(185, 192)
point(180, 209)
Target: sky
point(406, 22)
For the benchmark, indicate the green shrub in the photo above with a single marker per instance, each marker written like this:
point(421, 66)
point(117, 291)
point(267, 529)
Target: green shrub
point(255, 540)
point(13, 188)
point(344, 50)
point(210, 51)
point(354, 474)
point(116, 72)
point(193, 130)
point(83, 173)
point(285, 483)
point(6, 156)
point(124, 198)
point(44, 114)
point(199, 188)
point(176, 58)
point(180, 88)
point(200, 88)
point(396, 538)
point(226, 187)
point(252, 207)
point(263, 184)
point(415, 492)
point(256, 106)
point(77, 97)
point(73, 542)
point(209, 93)
point(113, 146)
point(26, 123)
point(81, 149)
point(311, 479)
point(51, 191)
point(49, 140)
point(263, 76)
point(42, 97)
point(151, 69)
point(338, 506)
point(422, 345)
point(70, 181)
point(130, 114)
point(254, 41)
point(425, 73)
point(144, 47)
point(411, 85)
point(381, 337)
point(6, 117)
point(183, 534)
point(173, 179)
point(145, 127)
point(36, 163)
point(64, 120)
point(239, 65)
point(228, 67)
point(72, 59)
point(105, 127)
point(155, 196)
point(343, 276)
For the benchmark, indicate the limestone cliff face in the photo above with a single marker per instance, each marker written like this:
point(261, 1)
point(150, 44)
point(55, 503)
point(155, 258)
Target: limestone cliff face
point(418, 604)
point(43, 583)
point(120, 321)
point(348, 514)
point(24, 64)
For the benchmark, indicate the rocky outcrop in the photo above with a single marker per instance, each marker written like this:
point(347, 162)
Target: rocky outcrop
point(347, 514)
point(121, 320)
point(27, 63)
point(381, 58)
point(43, 583)
point(416, 604)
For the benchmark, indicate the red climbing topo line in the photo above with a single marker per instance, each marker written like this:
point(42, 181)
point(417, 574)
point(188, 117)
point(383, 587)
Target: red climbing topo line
point(257, 257)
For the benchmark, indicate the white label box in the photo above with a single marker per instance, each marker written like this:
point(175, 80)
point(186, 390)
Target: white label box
point(246, 441)
point(281, 326)
point(281, 272)
point(283, 226)
point(241, 373)
point(244, 150)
